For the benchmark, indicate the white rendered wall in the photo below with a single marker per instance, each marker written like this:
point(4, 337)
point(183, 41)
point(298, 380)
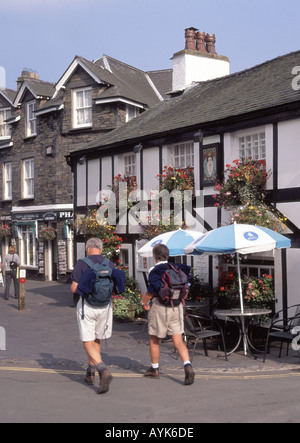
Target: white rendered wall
point(188, 68)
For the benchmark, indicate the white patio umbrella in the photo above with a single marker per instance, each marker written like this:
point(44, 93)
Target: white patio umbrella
point(239, 239)
point(176, 241)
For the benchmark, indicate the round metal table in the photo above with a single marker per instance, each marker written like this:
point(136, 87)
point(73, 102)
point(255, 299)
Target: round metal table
point(244, 319)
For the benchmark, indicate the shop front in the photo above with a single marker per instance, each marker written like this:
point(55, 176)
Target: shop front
point(43, 236)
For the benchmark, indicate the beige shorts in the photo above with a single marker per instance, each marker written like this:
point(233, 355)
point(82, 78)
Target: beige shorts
point(97, 322)
point(164, 320)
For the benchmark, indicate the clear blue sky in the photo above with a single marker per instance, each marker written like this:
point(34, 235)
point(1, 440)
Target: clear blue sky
point(45, 35)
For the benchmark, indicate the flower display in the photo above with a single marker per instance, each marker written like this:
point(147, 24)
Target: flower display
point(176, 179)
point(257, 291)
point(47, 233)
point(129, 301)
point(242, 192)
point(244, 182)
point(5, 231)
point(258, 215)
point(89, 226)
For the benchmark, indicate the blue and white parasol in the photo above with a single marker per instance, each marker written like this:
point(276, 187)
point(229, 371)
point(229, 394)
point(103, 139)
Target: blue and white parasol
point(176, 241)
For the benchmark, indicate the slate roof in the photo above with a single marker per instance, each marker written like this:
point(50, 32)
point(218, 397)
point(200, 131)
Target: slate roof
point(125, 82)
point(38, 88)
point(8, 94)
point(262, 87)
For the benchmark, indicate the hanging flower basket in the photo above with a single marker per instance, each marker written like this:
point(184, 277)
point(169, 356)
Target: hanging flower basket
point(5, 231)
point(47, 233)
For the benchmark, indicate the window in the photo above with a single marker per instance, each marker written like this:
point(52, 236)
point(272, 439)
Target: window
point(130, 165)
point(28, 178)
point(253, 146)
point(31, 119)
point(4, 127)
point(7, 177)
point(28, 245)
point(82, 102)
point(184, 155)
point(255, 267)
point(131, 112)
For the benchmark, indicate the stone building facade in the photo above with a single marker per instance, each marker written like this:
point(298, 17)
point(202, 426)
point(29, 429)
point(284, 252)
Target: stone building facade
point(40, 123)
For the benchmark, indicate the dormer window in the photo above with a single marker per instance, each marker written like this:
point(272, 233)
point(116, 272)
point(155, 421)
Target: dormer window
point(31, 119)
point(82, 108)
point(5, 113)
point(131, 112)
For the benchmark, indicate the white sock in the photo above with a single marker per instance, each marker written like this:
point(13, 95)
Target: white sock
point(187, 363)
point(155, 365)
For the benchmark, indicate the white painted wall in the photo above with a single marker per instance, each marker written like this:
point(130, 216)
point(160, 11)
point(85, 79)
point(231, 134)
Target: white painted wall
point(93, 181)
point(196, 67)
point(288, 154)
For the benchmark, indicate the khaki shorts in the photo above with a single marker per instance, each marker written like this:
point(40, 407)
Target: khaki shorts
point(164, 320)
point(97, 322)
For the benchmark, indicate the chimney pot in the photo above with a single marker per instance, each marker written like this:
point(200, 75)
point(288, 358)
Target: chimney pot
point(200, 39)
point(190, 35)
point(210, 43)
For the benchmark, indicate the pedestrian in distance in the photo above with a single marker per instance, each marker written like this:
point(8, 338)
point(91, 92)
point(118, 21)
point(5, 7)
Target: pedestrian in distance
point(166, 311)
point(95, 279)
point(10, 267)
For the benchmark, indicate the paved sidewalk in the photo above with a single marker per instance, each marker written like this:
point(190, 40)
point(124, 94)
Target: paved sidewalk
point(44, 358)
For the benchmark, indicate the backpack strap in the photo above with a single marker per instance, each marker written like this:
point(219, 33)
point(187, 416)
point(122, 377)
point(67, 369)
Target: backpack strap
point(89, 262)
point(93, 265)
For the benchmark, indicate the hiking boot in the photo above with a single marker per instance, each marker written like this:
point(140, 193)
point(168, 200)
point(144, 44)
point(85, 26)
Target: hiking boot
point(105, 380)
point(189, 375)
point(152, 373)
point(90, 377)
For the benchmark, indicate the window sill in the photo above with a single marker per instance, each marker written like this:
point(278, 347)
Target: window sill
point(27, 137)
point(80, 128)
point(26, 199)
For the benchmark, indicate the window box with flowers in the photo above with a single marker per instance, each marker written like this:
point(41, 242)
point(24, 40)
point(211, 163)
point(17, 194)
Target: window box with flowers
point(170, 180)
point(5, 231)
point(173, 179)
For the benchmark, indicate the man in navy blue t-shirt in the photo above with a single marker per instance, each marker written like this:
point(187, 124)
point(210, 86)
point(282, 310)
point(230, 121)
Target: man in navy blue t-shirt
point(96, 324)
point(165, 320)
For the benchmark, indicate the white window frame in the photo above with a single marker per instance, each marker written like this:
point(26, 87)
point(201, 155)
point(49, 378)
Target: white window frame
point(130, 165)
point(83, 109)
point(28, 246)
point(131, 112)
point(184, 155)
point(28, 178)
point(31, 119)
point(253, 146)
point(5, 130)
point(7, 180)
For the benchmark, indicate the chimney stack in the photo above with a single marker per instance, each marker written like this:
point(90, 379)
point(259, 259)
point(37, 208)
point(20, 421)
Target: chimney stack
point(199, 60)
point(27, 74)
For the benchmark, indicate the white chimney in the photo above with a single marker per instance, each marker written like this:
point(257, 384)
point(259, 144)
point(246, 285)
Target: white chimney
point(198, 61)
